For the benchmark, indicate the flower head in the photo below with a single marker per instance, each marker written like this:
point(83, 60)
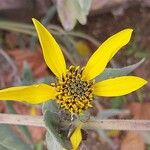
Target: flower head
point(76, 87)
point(74, 94)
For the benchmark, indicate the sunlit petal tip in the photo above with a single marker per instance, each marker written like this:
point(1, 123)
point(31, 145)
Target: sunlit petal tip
point(33, 19)
point(127, 32)
point(144, 82)
point(52, 53)
point(104, 53)
point(118, 86)
point(32, 94)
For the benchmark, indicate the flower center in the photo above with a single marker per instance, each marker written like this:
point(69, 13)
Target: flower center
point(74, 94)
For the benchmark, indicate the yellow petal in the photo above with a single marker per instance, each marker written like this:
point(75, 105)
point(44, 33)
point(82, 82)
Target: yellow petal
point(51, 50)
point(82, 48)
point(32, 94)
point(76, 138)
point(118, 86)
point(104, 53)
point(33, 111)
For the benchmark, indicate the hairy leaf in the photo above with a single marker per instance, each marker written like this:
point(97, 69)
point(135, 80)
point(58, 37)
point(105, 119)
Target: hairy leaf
point(51, 106)
point(52, 142)
point(23, 129)
point(10, 140)
point(70, 11)
point(117, 72)
point(54, 127)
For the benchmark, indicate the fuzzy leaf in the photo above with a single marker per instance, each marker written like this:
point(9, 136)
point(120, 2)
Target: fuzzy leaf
point(51, 106)
point(3, 148)
point(23, 129)
point(52, 142)
point(85, 5)
point(53, 125)
point(117, 72)
point(117, 102)
point(27, 77)
point(66, 13)
point(146, 136)
point(10, 140)
point(103, 136)
point(70, 11)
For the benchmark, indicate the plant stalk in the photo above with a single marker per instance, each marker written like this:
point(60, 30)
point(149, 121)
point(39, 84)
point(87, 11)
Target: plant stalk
point(15, 119)
point(119, 124)
point(108, 124)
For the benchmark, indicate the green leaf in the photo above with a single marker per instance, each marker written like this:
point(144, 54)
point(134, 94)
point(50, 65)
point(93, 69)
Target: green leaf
point(54, 126)
point(67, 13)
point(84, 116)
point(51, 106)
point(117, 72)
point(78, 10)
point(52, 143)
point(46, 80)
point(27, 77)
point(23, 129)
point(3, 148)
point(85, 5)
point(80, 14)
point(117, 102)
point(39, 145)
point(104, 137)
point(10, 140)
point(146, 136)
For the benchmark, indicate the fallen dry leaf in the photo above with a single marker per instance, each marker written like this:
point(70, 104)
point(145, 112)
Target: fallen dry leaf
point(140, 110)
point(11, 39)
point(132, 141)
point(2, 107)
point(37, 133)
point(34, 58)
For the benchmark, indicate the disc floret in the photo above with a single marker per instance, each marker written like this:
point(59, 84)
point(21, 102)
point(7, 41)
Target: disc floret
point(74, 94)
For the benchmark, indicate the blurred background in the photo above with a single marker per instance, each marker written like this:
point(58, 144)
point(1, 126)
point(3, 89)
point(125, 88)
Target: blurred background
point(79, 26)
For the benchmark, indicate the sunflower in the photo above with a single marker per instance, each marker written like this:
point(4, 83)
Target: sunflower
point(75, 87)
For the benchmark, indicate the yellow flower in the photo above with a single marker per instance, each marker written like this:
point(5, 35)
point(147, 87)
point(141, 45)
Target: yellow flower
point(76, 87)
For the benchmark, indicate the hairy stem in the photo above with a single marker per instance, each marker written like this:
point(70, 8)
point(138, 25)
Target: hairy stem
point(15, 119)
point(110, 124)
point(119, 124)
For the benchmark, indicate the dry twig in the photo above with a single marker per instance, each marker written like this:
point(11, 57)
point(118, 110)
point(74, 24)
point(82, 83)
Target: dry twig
point(115, 124)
